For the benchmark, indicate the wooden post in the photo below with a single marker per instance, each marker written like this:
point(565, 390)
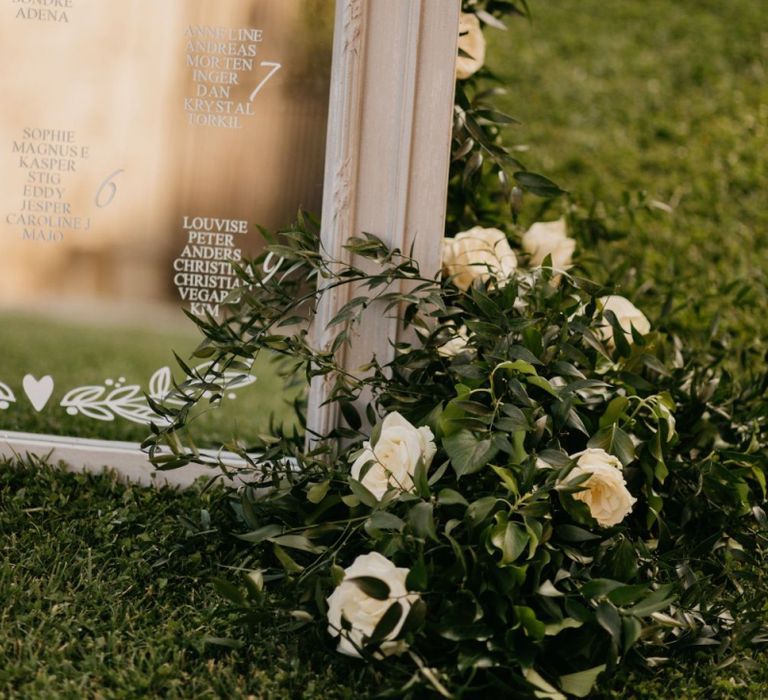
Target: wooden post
point(388, 153)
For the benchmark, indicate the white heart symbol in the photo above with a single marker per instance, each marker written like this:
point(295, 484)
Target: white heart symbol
point(38, 390)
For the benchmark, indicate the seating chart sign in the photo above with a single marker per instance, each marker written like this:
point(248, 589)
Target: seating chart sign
point(142, 144)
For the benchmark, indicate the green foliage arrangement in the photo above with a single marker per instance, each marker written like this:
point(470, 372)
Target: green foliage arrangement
point(567, 500)
point(538, 488)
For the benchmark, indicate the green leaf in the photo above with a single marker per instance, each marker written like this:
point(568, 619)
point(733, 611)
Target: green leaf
point(507, 478)
point(362, 493)
point(544, 384)
point(299, 542)
point(317, 492)
point(617, 331)
point(261, 534)
point(615, 410)
point(227, 642)
point(599, 587)
point(254, 582)
point(468, 453)
point(337, 574)
point(438, 473)
point(659, 599)
point(572, 533)
point(630, 630)
point(610, 620)
point(615, 441)
point(416, 616)
point(372, 587)
point(626, 595)
point(387, 623)
point(623, 561)
point(350, 500)
point(422, 521)
point(537, 184)
point(546, 691)
point(285, 559)
point(555, 458)
point(513, 420)
point(456, 632)
point(417, 577)
point(351, 415)
point(420, 481)
point(229, 591)
point(554, 628)
point(511, 539)
point(757, 473)
point(480, 509)
point(530, 623)
point(449, 497)
point(518, 366)
point(520, 352)
point(474, 408)
point(382, 520)
point(580, 684)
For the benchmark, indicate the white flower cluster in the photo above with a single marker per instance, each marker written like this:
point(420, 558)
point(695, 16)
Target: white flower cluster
point(482, 253)
point(353, 614)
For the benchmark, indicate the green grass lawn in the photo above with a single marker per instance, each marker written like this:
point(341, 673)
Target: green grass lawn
point(105, 589)
point(664, 97)
point(105, 593)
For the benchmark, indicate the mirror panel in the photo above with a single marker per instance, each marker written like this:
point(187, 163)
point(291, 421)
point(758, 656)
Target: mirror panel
point(143, 143)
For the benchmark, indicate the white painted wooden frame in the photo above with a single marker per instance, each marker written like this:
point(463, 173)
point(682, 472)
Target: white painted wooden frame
point(96, 456)
point(388, 154)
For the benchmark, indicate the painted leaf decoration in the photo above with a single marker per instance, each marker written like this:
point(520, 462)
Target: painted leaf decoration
point(123, 394)
point(128, 402)
point(136, 413)
point(82, 395)
point(96, 411)
point(6, 394)
point(160, 384)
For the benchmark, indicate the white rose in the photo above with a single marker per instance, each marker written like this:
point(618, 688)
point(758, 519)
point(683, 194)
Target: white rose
point(362, 612)
point(549, 238)
point(455, 345)
point(472, 43)
point(627, 314)
point(395, 456)
point(606, 493)
point(478, 254)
